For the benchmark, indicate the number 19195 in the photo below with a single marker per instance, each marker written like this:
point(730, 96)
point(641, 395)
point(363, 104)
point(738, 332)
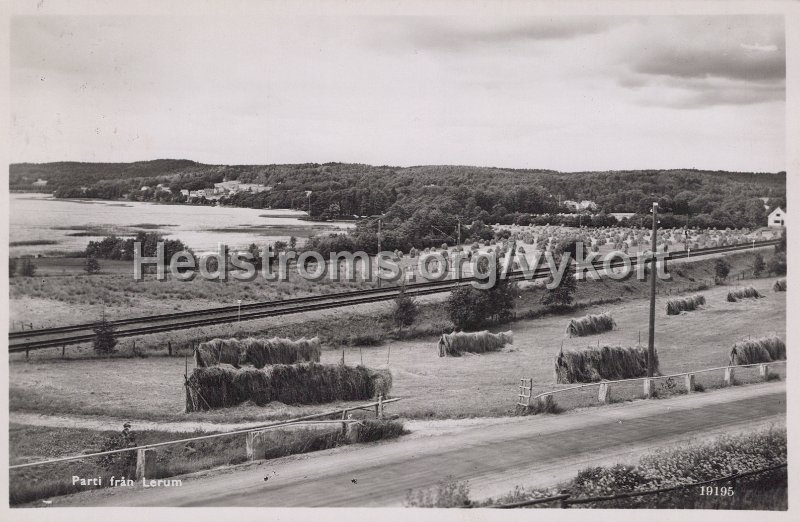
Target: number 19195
point(716, 491)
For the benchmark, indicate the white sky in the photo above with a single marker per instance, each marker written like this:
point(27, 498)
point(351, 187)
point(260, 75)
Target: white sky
point(573, 93)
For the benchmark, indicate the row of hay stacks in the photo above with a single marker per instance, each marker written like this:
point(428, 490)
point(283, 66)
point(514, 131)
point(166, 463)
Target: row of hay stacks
point(602, 363)
point(753, 351)
point(590, 325)
point(685, 304)
point(258, 352)
point(779, 285)
point(743, 293)
point(305, 383)
point(456, 343)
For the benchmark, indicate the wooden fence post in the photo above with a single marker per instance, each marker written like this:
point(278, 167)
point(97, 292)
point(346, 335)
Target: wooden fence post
point(689, 383)
point(169, 348)
point(63, 349)
point(603, 395)
point(145, 463)
point(648, 388)
point(729, 376)
point(380, 407)
point(763, 371)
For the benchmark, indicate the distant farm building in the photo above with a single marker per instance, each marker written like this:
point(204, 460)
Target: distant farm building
point(583, 205)
point(777, 218)
point(619, 216)
point(39, 183)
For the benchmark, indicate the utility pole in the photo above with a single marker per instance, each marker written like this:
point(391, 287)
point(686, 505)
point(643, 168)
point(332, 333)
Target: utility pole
point(377, 271)
point(686, 234)
point(651, 341)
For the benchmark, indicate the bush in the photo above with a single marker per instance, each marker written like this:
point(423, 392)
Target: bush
point(673, 466)
point(92, 266)
point(721, 270)
point(405, 310)
point(777, 264)
point(104, 338)
point(758, 265)
point(563, 294)
point(12, 266)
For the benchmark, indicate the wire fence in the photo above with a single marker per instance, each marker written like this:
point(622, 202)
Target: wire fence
point(307, 420)
point(528, 399)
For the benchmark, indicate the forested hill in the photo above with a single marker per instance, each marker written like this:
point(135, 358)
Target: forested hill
point(461, 192)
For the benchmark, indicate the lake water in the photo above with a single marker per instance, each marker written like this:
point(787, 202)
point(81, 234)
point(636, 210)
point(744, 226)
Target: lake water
point(69, 225)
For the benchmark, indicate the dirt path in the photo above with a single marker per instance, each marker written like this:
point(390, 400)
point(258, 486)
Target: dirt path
point(534, 451)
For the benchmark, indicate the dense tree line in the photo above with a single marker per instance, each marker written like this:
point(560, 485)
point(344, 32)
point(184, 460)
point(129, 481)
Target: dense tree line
point(440, 196)
point(119, 248)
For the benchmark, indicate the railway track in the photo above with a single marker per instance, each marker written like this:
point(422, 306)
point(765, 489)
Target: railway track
point(136, 326)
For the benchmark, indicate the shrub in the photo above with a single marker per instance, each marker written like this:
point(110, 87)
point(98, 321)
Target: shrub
point(374, 429)
point(12, 266)
point(777, 264)
point(405, 310)
point(563, 294)
point(547, 404)
point(779, 285)
point(721, 270)
point(104, 337)
point(758, 265)
point(92, 266)
point(604, 363)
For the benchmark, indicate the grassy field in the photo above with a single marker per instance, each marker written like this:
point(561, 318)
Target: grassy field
point(434, 387)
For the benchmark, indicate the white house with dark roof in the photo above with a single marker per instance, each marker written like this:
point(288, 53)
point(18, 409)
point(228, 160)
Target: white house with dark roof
point(777, 218)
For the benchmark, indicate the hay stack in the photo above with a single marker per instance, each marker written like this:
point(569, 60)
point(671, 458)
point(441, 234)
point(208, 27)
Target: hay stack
point(456, 343)
point(306, 383)
point(605, 363)
point(590, 324)
point(685, 304)
point(753, 351)
point(743, 293)
point(779, 285)
point(218, 351)
point(258, 352)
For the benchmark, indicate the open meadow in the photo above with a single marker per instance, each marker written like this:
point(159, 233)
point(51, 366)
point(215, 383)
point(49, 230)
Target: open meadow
point(431, 387)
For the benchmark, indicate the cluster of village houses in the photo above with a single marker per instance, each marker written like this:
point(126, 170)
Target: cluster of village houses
point(225, 188)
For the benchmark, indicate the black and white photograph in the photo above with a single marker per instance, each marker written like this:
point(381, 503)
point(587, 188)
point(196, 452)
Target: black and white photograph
point(427, 256)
